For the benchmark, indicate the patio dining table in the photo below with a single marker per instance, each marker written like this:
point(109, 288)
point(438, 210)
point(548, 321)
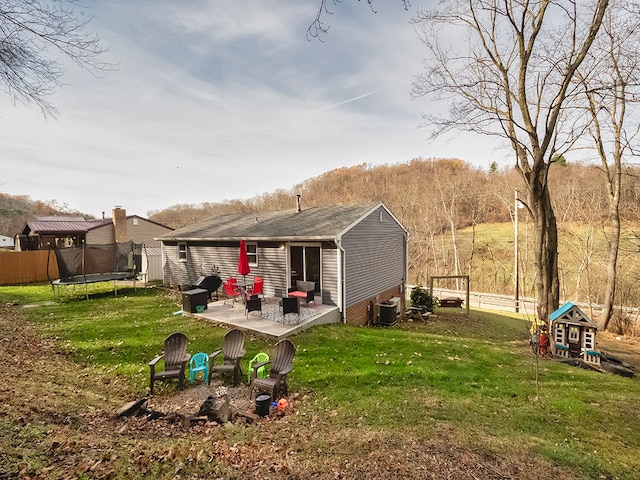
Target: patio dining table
point(242, 285)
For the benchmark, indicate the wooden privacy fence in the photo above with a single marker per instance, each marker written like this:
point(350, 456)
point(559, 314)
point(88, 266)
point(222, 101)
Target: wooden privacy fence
point(27, 267)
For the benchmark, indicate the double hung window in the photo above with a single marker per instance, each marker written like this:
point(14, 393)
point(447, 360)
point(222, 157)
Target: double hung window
point(252, 254)
point(182, 252)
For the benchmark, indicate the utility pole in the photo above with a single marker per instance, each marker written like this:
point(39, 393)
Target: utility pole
point(515, 251)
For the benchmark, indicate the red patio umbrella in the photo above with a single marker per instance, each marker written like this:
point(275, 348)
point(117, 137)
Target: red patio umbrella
point(243, 260)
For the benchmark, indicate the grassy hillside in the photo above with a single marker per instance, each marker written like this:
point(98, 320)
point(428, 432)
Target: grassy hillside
point(486, 252)
point(456, 397)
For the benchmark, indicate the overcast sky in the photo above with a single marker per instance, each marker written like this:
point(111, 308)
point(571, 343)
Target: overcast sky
point(216, 100)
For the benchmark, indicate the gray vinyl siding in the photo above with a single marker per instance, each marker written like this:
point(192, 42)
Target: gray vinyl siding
point(374, 257)
point(330, 276)
point(100, 235)
point(144, 232)
point(154, 268)
point(202, 257)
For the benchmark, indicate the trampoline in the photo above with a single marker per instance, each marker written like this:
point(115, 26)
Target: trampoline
point(93, 263)
point(94, 278)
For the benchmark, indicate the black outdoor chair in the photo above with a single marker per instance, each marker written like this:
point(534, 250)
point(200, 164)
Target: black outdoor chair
point(175, 360)
point(290, 305)
point(231, 353)
point(281, 364)
point(253, 304)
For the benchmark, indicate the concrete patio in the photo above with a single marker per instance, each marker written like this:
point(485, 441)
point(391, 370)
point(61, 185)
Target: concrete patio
point(270, 323)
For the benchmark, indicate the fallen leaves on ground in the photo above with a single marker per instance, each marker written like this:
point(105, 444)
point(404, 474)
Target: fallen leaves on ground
point(62, 423)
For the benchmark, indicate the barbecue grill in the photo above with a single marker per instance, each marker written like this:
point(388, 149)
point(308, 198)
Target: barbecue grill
point(210, 283)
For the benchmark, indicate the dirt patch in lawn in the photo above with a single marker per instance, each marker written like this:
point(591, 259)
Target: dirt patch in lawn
point(188, 402)
point(58, 420)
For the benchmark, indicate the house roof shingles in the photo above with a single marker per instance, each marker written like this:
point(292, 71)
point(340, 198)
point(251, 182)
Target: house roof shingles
point(318, 223)
point(68, 225)
point(64, 226)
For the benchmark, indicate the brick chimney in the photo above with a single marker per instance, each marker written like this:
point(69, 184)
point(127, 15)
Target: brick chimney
point(119, 218)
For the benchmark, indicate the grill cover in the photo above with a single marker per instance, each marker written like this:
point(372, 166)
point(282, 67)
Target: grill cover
point(210, 283)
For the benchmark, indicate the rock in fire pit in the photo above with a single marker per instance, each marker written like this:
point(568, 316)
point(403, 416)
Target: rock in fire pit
point(216, 407)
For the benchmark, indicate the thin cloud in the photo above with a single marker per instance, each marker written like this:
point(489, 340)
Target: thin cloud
point(353, 99)
point(208, 94)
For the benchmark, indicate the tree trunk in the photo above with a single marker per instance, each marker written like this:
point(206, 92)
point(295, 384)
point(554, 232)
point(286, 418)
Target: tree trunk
point(612, 261)
point(545, 247)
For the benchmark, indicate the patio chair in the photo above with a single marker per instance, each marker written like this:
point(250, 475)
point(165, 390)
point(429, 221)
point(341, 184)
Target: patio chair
point(261, 372)
point(280, 293)
point(290, 305)
point(231, 292)
point(199, 363)
point(258, 283)
point(305, 291)
point(280, 365)
point(175, 360)
point(253, 304)
point(232, 352)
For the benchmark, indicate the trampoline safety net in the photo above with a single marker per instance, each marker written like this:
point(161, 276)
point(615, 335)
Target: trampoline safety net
point(99, 259)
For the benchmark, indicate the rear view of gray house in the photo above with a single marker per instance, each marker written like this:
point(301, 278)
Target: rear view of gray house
point(356, 255)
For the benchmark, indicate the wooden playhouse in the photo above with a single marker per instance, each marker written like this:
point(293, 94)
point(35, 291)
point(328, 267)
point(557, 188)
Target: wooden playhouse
point(573, 334)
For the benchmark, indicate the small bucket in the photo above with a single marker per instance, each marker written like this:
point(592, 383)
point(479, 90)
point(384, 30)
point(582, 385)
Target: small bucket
point(263, 402)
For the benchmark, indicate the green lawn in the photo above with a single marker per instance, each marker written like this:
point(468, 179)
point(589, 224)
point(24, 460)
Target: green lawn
point(472, 376)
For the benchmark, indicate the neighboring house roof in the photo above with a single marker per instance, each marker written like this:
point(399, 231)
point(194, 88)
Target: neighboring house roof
point(318, 223)
point(69, 225)
point(147, 221)
point(62, 226)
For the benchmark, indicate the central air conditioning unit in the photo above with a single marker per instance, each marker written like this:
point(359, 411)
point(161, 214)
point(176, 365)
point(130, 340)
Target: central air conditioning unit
point(397, 303)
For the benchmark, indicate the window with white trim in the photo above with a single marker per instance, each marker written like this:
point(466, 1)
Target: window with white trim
point(589, 339)
point(560, 334)
point(252, 254)
point(574, 333)
point(182, 252)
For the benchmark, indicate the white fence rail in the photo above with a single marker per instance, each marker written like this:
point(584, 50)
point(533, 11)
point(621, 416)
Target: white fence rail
point(527, 306)
point(490, 301)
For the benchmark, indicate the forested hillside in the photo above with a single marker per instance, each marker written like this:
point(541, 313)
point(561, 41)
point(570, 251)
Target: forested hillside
point(460, 220)
point(15, 210)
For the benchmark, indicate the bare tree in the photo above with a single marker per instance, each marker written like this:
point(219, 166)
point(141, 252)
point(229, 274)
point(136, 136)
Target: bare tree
point(611, 81)
point(33, 33)
point(319, 27)
point(510, 76)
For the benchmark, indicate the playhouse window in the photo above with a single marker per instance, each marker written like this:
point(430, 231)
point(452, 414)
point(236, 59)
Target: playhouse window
point(588, 340)
point(560, 334)
point(574, 334)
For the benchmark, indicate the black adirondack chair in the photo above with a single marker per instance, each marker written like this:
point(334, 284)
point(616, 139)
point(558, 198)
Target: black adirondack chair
point(280, 365)
point(175, 360)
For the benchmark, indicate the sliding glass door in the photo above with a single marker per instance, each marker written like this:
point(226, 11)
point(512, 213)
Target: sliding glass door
point(304, 264)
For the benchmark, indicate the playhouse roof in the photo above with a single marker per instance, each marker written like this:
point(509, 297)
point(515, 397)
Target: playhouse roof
point(571, 314)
